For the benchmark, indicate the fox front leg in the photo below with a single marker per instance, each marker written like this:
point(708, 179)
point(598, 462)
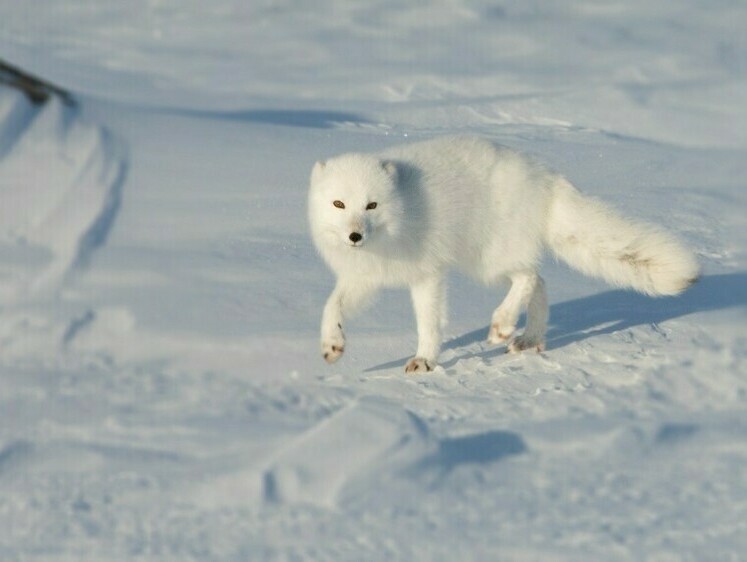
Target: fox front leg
point(343, 301)
point(333, 340)
point(429, 303)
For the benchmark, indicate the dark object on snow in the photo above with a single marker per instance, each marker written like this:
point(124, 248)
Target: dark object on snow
point(37, 90)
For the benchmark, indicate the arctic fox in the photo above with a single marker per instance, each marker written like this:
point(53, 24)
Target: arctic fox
point(404, 216)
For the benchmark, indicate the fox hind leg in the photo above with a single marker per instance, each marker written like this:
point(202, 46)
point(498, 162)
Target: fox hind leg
point(506, 316)
point(537, 316)
point(527, 292)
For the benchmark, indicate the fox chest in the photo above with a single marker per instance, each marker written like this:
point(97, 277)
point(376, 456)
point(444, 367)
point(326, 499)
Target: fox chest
point(370, 268)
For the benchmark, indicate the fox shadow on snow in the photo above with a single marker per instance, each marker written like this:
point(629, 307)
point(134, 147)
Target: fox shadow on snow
point(604, 313)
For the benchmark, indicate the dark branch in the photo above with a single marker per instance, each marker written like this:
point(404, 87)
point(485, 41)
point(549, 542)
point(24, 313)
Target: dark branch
point(36, 89)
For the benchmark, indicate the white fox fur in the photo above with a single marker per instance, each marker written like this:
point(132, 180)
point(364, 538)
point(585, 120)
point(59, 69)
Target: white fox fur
point(404, 216)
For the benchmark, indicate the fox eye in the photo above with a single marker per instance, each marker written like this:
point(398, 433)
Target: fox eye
point(339, 204)
point(371, 206)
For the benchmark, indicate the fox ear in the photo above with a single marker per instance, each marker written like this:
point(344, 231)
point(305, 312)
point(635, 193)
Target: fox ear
point(390, 168)
point(318, 167)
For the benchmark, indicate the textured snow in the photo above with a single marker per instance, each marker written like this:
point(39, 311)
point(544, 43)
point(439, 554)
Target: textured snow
point(162, 396)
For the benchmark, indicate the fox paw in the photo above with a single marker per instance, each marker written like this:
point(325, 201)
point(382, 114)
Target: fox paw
point(418, 365)
point(524, 342)
point(499, 334)
point(332, 350)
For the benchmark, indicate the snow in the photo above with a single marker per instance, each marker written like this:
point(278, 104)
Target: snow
point(162, 396)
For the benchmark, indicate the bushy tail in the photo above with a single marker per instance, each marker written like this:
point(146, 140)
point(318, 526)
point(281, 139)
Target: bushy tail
point(597, 241)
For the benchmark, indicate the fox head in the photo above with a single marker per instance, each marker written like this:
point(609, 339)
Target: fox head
point(354, 202)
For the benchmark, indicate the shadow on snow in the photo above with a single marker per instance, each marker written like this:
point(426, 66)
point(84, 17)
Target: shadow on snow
point(309, 118)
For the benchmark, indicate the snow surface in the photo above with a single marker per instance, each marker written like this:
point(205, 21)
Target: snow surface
point(161, 391)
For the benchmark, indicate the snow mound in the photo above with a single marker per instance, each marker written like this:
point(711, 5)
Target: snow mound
point(371, 443)
point(371, 435)
point(59, 192)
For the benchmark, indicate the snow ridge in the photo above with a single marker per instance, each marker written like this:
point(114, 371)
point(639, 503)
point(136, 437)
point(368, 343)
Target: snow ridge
point(60, 180)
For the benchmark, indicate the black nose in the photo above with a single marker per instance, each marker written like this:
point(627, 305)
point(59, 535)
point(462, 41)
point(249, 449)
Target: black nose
point(355, 237)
